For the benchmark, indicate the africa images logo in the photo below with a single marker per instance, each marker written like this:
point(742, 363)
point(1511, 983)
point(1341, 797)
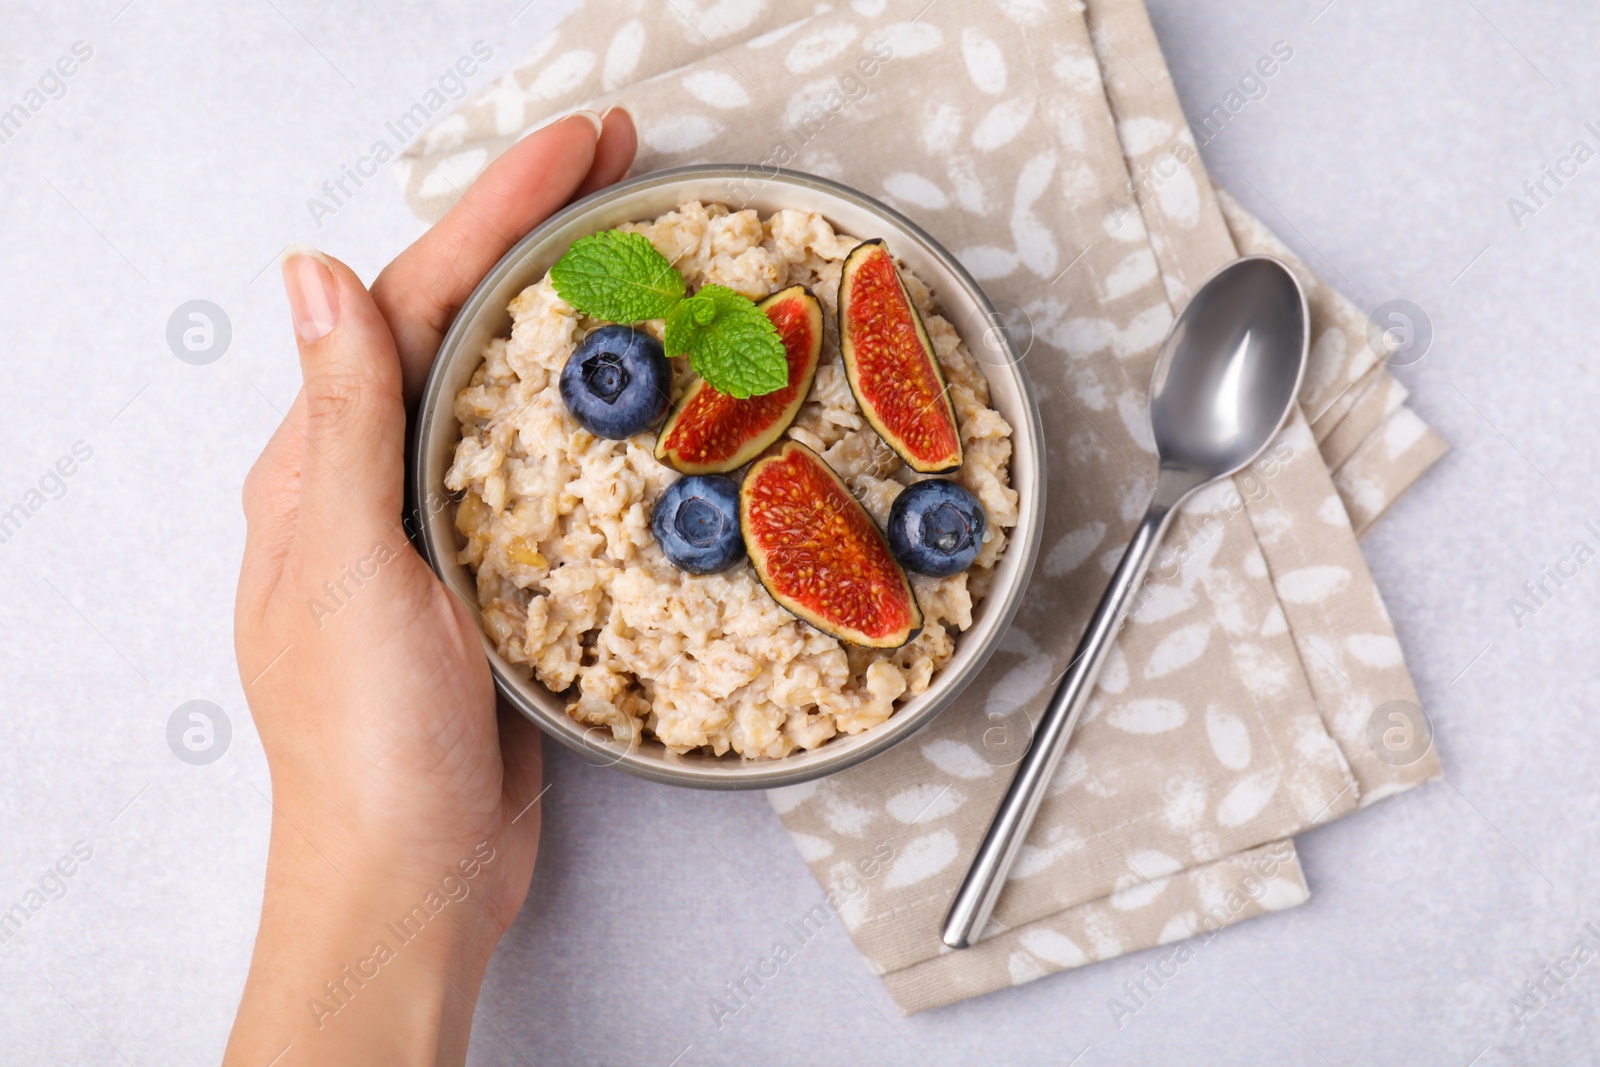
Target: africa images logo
point(1536, 193)
point(51, 85)
point(453, 887)
point(400, 131)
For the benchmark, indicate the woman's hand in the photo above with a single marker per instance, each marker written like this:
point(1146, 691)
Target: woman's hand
point(403, 831)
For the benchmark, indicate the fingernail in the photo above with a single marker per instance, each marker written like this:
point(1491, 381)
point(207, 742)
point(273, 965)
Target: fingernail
point(594, 119)
point(313, 293)
point(625, 109)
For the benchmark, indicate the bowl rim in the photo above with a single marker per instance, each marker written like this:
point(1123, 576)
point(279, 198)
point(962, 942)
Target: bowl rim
point(732, 772)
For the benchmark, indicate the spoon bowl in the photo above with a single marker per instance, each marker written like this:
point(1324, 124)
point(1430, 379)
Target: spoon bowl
point(1240, 343)
point(1224, 382)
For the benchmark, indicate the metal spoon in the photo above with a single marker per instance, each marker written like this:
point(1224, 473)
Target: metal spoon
point(1223, 385)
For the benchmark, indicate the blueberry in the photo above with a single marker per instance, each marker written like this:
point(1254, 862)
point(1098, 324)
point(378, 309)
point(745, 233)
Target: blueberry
point(617, 383)
point(696, 523)
point(936, 527)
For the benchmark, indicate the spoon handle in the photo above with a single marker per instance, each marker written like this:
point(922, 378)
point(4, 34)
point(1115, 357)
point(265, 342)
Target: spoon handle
point(975, 900)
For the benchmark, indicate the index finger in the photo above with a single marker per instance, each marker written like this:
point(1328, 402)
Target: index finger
point(420, 292)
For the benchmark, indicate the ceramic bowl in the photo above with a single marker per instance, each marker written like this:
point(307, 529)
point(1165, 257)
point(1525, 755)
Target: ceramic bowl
point(435, 433)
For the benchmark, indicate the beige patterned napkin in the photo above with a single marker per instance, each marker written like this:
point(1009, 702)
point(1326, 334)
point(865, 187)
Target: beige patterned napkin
point(1042, 143)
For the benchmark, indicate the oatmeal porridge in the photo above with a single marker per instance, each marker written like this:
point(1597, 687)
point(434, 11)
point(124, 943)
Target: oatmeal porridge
point(574, 587)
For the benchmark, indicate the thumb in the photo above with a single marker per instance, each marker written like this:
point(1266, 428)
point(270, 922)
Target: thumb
point(354, 457)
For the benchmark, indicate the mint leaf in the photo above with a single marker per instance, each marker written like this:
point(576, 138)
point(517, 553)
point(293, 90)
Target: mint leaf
point(731, 343)
point(618, 276)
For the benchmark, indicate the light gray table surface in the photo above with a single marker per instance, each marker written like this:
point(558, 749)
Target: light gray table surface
point(178, 162)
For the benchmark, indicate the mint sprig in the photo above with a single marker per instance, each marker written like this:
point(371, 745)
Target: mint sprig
point(731, 343)
point(619, 276)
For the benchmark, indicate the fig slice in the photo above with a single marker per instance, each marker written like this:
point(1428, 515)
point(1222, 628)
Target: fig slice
point(820, 554)
point(890, 363)
point(713, 433)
